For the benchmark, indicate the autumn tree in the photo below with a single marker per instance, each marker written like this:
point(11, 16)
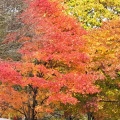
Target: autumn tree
point(103, 45)
point(53, 64)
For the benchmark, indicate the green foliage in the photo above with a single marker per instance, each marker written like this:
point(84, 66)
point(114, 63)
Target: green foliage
point(92, 12)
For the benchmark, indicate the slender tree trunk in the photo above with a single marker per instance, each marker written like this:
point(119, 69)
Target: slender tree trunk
point(34, 103)
point(89, 116)
point(29, 109)
point(70, 118)
point(28, 114)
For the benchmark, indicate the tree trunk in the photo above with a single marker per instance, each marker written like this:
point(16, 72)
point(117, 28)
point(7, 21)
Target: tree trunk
point(89, 116)
point(34, 104)
point(70, 118)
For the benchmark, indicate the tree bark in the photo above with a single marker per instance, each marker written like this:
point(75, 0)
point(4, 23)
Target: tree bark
point(34, 103)
point(89, 115)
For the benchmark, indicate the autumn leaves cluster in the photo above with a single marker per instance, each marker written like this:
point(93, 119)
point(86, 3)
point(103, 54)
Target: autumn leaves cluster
point(63, 67)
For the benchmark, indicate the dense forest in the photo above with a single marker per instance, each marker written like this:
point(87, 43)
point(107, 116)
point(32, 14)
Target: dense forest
point(59, 59)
